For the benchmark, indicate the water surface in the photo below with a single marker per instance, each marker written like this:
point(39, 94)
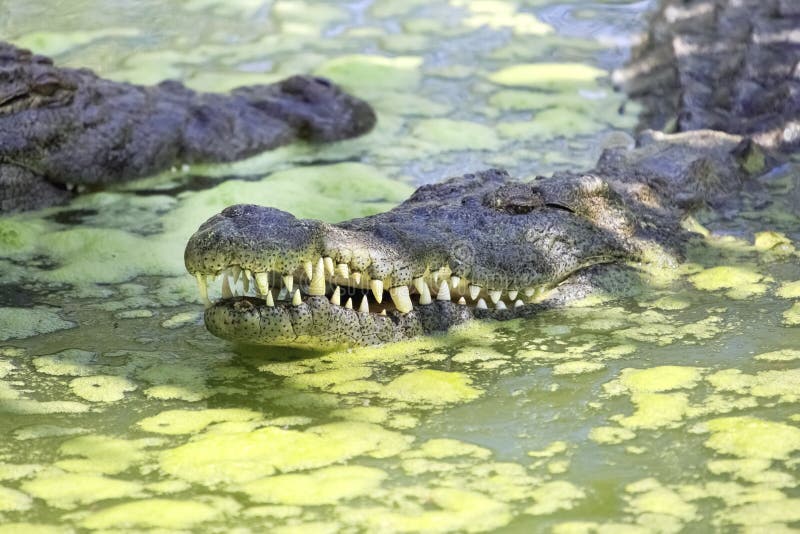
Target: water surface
point(676, 409)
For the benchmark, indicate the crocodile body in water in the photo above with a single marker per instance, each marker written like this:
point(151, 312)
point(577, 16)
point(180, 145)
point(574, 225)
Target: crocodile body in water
point(63, 127)
point(484, 245)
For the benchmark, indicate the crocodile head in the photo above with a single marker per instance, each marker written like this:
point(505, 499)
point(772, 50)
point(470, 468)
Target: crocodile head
point(29, 81)
point(479, 245)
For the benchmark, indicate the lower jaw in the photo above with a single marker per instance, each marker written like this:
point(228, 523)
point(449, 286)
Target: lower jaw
point(318, 324)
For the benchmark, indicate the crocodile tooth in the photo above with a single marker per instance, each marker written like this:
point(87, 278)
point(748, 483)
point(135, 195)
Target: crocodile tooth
point(500, 306)
point(262, 282)
point(474, 291)
point(530, 291)
point(288, 281)
point(435, 276)
point(383, 312)
point(356, 277)
point(203, 288)
point(349, 304)
point(444, 291)
point(308, 267)
point(336, 298)
point(462, 301)
point(418, 283)
point(268, 298)
point(236, 272)
point(226, 287)
point(512, 294)
point(296, 300)
point(518, 303)
point(401, 299)
point(377, 289)
point(454, 281)
point(328, 265)
point(344, 270)
point(317, 285)
point(364, 308)
point(246, 282)
point(495, 295)
point(282, 294)
point(425, 295)
point(481, 305)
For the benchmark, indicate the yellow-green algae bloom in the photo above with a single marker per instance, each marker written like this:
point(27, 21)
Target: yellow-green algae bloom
point(370, 73)
point(789, 290)
point(446, 134)
point(741, 282)
point(447, 510)
point(547, 75)
point(175, 422)
point(103, 454)
point(13, 500)
point(26, 322)
point(241, 457)
point(791, 317)
point(152, 513)
point(429, 386)
point(751, 437)
point(783, 355)
point(68, 490)
point(101, 388)
point(328, 485)
point(647, 387)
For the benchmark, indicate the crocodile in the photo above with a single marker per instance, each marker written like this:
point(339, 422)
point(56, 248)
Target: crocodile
point(485, 245)
point(65, 130)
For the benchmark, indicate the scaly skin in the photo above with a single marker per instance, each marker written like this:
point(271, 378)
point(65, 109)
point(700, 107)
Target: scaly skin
point(723, 72)
point(62, 126)
point(520, 246)
point(723, 65)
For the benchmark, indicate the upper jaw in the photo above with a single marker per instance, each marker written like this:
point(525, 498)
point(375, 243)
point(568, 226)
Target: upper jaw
point(278, 259)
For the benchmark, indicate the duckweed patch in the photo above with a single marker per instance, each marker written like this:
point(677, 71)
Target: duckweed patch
point(240, 457)
point(431, 387)
point(18, 323)
point(68, 490)
point(751, 437)
point(547, 75)
point(152, 513)
point(741, 282)
point(328, 485)
point(102, 388)
point(447, 134)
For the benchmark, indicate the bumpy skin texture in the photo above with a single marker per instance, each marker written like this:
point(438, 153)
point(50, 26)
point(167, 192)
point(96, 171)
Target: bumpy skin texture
point(487, 229)
point(63, 126)
point(726, 65)
point(722, 74)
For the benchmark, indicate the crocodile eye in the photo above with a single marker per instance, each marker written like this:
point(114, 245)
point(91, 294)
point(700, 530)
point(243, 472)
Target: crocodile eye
point(516, 198)
point(47, 89)
point(47, 85)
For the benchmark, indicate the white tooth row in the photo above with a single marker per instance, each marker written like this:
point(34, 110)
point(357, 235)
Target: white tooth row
point(324, 271)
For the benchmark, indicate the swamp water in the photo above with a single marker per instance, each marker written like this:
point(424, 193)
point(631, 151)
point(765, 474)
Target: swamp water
point(678, 409)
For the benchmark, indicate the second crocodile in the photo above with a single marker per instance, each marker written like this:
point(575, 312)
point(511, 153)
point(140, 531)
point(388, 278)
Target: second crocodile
point(62, 129)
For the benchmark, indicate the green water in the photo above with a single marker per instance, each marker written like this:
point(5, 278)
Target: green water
point(675, 410)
